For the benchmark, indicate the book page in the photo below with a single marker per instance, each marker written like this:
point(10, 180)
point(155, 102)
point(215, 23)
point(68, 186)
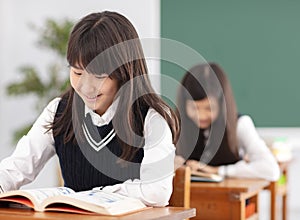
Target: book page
point(95, 201)
point(99, 198)
point(205, 177)
point(33, 198)
point(39, 195)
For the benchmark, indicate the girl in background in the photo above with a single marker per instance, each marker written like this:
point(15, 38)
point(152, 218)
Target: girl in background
point(109, 129)
point(226, 143)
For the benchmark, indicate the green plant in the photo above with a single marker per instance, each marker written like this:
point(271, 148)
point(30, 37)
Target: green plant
point(54, 37)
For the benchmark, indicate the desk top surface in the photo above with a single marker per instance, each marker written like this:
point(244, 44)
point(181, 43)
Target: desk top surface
point(165, 213)
point(231, 184)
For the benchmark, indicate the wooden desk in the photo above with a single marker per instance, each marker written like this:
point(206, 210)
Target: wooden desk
point(165, 213)
point(226, 200)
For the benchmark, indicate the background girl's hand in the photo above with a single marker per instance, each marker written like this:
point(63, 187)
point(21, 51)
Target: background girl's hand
point(198, 166)
point(208, 169)
point(193, 164)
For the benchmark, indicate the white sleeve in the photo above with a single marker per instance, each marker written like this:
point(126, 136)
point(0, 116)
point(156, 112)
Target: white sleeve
point(261, 164)
point(154, 187)
point(31, 154)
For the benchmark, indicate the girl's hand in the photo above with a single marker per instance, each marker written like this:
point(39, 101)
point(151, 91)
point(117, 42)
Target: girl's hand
point(196, 165)
point(208, 169)
point(179, 161)
point(193, 164)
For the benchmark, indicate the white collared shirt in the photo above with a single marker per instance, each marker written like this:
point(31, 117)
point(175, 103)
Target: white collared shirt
point(154, 187)
point(260, 161)
point(106, 117)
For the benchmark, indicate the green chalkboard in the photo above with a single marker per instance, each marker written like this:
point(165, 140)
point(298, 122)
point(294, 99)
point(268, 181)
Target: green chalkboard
point(256, 42)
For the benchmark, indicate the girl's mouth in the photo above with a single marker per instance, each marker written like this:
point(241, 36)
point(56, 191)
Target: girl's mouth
point(92, 98)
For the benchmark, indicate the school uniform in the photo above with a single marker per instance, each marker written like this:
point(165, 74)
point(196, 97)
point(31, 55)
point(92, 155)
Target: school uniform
point(150, 178)
point(261, 163)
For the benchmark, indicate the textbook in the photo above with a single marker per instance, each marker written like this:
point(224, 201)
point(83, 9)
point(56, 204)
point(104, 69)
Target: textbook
point(66, 200)
point(199, 176)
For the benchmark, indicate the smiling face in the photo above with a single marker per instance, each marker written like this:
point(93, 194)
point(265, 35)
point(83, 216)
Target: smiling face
point(203, 112)
point(96, 91)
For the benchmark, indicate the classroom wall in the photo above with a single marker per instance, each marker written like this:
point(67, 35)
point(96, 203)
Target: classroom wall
point(18, 47)
point(258, 45)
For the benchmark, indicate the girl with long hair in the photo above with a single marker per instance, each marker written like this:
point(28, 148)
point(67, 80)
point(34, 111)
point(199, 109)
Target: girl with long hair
point(109, 129)
point(214, 138)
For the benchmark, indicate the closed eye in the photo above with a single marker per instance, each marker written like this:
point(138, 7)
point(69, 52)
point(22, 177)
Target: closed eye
point(101, 76)
point(77, 73)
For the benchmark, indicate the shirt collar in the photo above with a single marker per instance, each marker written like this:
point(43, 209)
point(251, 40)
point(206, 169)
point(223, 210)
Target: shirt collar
point(106, 117)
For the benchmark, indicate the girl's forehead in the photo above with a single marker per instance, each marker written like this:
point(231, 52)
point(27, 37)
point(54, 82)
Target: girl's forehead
point(210, 100)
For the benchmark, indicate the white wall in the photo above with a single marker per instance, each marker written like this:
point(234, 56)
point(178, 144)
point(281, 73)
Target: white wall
point(17, 48)
point(293, 140)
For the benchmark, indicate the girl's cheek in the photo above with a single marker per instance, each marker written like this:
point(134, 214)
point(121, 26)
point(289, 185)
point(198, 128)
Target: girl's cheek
point(74, 82)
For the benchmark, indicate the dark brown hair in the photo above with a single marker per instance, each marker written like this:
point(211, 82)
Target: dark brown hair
point(98, 33)
point(204, 81)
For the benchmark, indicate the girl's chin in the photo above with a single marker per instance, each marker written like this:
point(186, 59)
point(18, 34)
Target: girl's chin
point(198, 125)
point(203, 126)
point(92, 106)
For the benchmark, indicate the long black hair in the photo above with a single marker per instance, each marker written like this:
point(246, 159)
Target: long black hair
point(200, 82)
point(96, 34)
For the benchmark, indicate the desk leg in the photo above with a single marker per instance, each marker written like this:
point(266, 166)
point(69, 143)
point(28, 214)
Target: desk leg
point(284, 196)
point(273, 204)
point(284, 205)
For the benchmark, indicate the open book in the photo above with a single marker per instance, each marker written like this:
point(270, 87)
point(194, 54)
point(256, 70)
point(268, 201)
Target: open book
point(199, 176)
point(66, 200)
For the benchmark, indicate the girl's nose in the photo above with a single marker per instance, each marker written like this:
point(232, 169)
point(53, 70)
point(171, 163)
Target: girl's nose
point(89, 85)
point(203, 115)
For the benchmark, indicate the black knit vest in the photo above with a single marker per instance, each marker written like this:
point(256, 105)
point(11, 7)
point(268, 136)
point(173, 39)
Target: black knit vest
point(223, 156)
point(83, 167)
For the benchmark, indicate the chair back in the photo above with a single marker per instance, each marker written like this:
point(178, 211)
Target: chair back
point(181, 188)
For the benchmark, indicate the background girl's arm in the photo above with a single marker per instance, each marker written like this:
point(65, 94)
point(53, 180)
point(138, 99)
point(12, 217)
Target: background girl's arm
point(260, 161)
point(154, 187)
point(31, 153)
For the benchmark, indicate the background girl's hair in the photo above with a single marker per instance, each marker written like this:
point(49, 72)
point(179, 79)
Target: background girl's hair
point(193, 89)
point(109, 31)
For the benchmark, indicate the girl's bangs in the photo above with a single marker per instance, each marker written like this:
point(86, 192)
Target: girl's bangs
point(87, 53)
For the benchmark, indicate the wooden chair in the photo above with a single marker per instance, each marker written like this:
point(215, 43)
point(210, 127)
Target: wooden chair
point(181, 188)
